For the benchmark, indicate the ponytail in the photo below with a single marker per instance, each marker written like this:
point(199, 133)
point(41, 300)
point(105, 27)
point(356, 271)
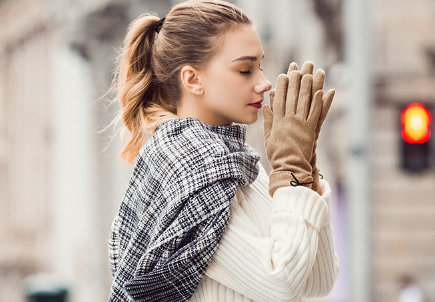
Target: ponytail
point(141, 100)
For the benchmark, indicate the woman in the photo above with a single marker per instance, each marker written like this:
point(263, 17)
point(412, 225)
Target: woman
point(201, 220)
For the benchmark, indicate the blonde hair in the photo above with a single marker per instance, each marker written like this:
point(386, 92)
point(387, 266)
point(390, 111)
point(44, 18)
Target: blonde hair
point(148, 81)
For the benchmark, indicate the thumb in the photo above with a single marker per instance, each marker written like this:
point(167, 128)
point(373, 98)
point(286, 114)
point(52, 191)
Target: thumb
point(268, 119)
point(327, 101)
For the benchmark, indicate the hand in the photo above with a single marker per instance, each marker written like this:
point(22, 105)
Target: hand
point(290, 130)
point(318, 82)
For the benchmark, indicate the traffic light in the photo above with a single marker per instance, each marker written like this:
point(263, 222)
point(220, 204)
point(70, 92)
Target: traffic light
point(416, 121)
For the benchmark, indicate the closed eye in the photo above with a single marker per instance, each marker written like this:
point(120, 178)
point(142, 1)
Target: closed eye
point(246, 73)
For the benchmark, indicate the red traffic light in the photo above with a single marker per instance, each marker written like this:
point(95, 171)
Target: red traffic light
point(415, 123)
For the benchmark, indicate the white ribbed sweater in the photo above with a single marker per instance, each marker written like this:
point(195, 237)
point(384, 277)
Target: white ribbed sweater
point(278, 249)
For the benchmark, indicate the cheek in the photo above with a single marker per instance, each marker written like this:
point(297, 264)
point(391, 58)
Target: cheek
point(226, 85)
point(235, 85)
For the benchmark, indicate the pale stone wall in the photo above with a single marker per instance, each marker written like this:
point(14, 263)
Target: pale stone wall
point(25, 201)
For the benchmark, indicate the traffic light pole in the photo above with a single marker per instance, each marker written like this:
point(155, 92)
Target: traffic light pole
point(357, 54)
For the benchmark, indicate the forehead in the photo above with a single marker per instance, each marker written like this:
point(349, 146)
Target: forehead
point(241, 41)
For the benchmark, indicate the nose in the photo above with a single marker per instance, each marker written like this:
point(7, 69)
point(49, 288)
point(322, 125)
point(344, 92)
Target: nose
point(263, 85)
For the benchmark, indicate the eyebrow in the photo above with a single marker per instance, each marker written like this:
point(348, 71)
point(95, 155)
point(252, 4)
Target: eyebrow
point(247, 58)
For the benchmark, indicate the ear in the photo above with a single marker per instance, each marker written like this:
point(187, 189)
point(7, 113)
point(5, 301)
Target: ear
point(191, 81)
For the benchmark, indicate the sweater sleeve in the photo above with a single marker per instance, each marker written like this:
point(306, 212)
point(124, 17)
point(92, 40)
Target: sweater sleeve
point(326, 266)
point(277, 267)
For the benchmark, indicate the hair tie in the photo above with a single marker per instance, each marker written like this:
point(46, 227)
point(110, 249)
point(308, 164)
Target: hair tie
point(160, 24)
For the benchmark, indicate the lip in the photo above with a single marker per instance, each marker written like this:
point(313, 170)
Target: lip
point(256, 104)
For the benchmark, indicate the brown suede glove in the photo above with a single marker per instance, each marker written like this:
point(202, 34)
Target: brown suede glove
point(290, 131)
point(318, 82)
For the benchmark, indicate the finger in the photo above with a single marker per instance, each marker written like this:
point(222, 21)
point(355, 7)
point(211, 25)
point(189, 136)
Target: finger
point(318, 81)
point(268, 119)
point(293, 66)
point(294, 85)
point(316, 107)
point(307, 68)
point(271, 98)
point(304, 100)
point(326, 104)
point(280, 96)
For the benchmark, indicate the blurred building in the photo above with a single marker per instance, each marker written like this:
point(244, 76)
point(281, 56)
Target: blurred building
point(60, 178)
point(403, 203)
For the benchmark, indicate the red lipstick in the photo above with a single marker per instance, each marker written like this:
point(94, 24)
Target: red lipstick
point(257, 104)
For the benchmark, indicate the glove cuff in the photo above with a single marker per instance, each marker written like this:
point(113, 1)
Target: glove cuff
point(287, 178)
point(315, 186)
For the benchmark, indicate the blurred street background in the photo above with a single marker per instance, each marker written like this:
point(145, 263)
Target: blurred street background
point(61, 179)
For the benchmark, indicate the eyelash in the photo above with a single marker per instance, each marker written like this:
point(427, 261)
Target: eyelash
point(246, 73)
